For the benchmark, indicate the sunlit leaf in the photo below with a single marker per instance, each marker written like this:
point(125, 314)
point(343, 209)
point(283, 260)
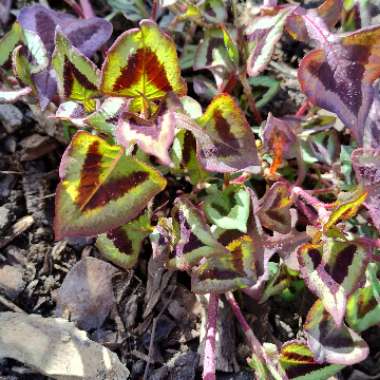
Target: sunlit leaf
point(280, 138)
point(363, 310)
point(274, 208)
point(225, 141)
point(8, 42)
point(339, 76)
point(122, 245)
point(232, 49)
point(77, 76)
point(152, 136)
point(333, 272)
point(263, 34)
point(330, 342)
point(366, 163)
point(212, 54)
point(194, 238)
point(142, 63)
point(100, 187)
point(229, 209)
point(299, 363)
point(325, 17)
point(86, 35)
point(345, 209)
point(184, 157)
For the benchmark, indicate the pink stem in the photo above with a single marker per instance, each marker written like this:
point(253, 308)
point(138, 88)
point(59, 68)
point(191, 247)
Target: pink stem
point(88, 12)
point(303, 109)
point(76, 8)
point(249, 334)
point(153, 14)
point(209, 362)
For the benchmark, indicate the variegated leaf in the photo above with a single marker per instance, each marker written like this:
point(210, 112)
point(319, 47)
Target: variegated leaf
point(77, 76)
point(333, 272)
point(227, 144)
point(104, 119)
point(194, 240)
point(280, 138)
point(363, 309)
point(339, 76)
point(142, 64)
point(231, 271)
point(274, 211)
point(212, 54)
point(184, 157)
point(86, 35)
point(299, 363)
point(101, 188)
point(263, 34)
point(153, 136)
point(325, 17)
point(332, 343)
point(366, 163)
point(122, 245)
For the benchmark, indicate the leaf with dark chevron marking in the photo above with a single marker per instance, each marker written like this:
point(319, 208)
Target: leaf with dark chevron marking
point(77, 76)
point(333, 271)
point(229, 144)
point(194, 240)
point(122, 245)
point(101, 188)
point(299, 363)
point(332, 343)
point(143, 64)
point(274, 211)
point(366, 163)
point(339, 76)
point(154, 137)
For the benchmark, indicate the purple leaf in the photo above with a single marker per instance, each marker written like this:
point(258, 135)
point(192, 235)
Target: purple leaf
point(339, 76)
point(5, 7)
point(366, 163)
point(86, 35)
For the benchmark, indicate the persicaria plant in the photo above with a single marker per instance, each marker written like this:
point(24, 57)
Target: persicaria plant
point(171, 148)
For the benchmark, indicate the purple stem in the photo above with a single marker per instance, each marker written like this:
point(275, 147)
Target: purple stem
point(88, 12)
point(249, 334)
point(209, 362)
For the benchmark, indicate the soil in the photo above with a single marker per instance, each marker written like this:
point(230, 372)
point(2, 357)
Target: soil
point(33, 266)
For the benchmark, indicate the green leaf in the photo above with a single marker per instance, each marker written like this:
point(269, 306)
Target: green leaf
point(101, 188)
point(232, 49)
point(122, 245)
point(9, 42)
point(229, 209)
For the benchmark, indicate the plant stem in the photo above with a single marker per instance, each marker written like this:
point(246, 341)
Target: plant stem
point(251, 100)
point(209, 362)
point(86, 6)
point(75, 7)
point(153, 14)
point(303, 109)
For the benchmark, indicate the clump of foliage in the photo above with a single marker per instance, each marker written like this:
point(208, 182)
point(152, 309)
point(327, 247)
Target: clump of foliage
point(241, 211)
